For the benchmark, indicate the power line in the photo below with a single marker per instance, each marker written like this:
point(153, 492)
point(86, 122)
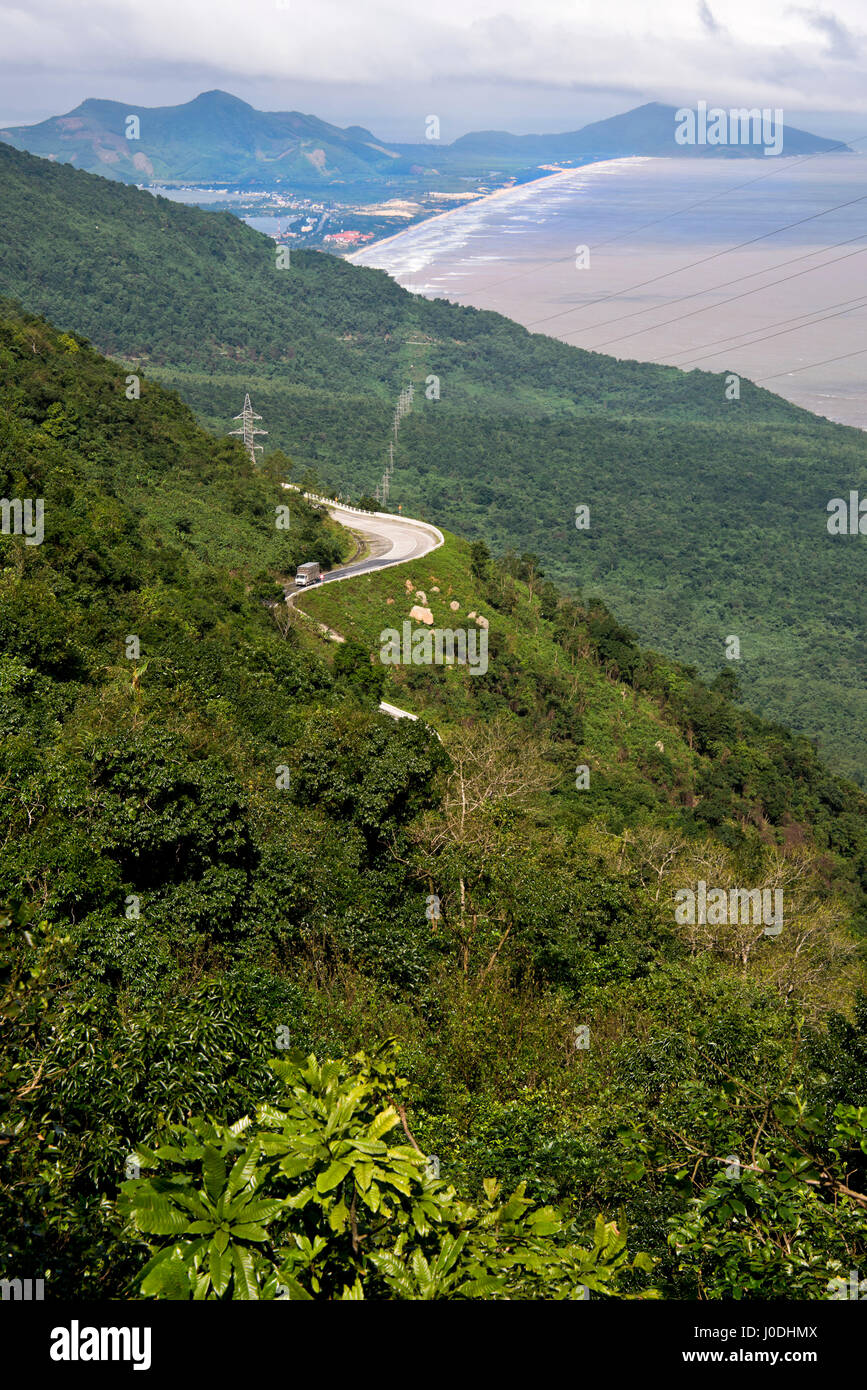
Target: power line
point(248, 431)
point(678, 212)
point(731, 299)
point(793, 371)
point(844, 306)
point(736, 280)
point(853, 305)
point(739, 279)
point(787, 227)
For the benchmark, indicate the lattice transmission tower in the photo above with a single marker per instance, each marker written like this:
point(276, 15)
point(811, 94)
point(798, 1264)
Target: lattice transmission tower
point(403, 407)
point(248, 430)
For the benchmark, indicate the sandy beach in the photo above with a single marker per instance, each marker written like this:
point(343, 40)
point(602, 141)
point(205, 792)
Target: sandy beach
point(451, 212)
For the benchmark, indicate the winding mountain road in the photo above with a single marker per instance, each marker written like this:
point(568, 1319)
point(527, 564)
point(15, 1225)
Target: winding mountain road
point(390, 540)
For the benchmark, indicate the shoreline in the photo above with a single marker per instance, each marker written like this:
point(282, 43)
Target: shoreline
point(486, 197)
point(422, 267)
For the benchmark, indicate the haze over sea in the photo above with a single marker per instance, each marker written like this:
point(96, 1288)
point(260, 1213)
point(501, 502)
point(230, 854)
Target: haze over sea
point(692, 263)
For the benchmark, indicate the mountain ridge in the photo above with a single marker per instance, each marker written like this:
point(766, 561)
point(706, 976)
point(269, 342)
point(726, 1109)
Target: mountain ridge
point(180, 141)
point(644, 130)
point(220, 136)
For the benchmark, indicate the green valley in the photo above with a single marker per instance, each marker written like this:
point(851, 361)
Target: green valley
point(707, 516)
point(222, 866)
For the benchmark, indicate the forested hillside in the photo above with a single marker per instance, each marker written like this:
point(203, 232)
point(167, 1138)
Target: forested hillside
point(708, 516)
point(219, 860)
point(214, 136)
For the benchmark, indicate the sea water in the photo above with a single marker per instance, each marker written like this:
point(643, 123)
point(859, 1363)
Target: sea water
point(757, 267)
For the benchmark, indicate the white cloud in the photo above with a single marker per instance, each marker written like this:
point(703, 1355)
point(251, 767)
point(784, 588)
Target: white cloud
point(771, 53)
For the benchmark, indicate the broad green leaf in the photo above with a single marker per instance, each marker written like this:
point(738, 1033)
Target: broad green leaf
point(384, 1122)
point(332, 1177)
point(364, 1175)
point(243, 1170)
point(420, 1267)
point(154, 1215)
point(249, 1231)
point(295, 1290)
point(294, 1167)
point(352, 1292)
point(214, 1169)
point(245, 1286)
point(220, 1268)
point(338, 1217)
point(482, 1287)
point(168, 1278)
point(263, 1211)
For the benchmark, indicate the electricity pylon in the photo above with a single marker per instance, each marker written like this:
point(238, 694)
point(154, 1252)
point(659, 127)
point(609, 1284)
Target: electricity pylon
point(404, 405)
point(247, 430)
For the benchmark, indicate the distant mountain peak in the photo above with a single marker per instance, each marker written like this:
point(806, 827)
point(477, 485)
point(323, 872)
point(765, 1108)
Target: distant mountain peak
point(217, 97)
point(219, 136)
point(647, 130)
point(215, 135)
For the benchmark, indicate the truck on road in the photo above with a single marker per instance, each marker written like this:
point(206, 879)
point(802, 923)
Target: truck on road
point(308, 574)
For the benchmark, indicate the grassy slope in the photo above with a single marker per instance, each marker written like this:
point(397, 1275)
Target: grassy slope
point(613, 725)
point(648, 764)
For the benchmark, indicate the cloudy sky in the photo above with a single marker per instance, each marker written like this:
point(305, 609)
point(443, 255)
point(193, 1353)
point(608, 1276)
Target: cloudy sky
point(523, 65)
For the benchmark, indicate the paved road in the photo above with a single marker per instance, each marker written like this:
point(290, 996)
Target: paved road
point(391, 540)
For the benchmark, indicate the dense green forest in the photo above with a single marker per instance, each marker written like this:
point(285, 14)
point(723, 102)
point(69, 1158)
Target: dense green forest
point(266, 952)
point(707, 515)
